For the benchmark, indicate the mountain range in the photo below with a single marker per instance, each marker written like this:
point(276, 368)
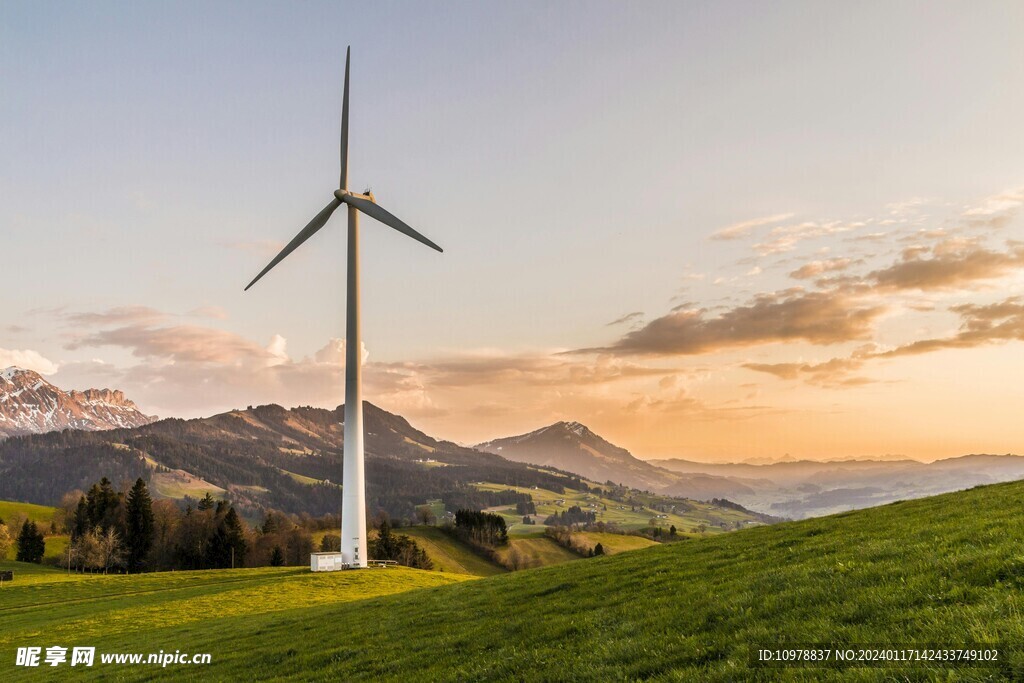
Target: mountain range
point(809, 488)
point(31, 405)
point(792, 488)
point(270, 456)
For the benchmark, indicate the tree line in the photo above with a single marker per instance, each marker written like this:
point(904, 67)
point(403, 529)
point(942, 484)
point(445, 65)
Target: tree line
point(574, 516)
point(127, 530)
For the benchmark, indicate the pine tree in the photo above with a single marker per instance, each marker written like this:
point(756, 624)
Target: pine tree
point(207, 503)
point(31, 544)
point(235, 536)
point(102, 504)
point(270, 525)
point(227, 545)
point(139, 533)
point(81, 522)
point(277, 557)
point(598, 550)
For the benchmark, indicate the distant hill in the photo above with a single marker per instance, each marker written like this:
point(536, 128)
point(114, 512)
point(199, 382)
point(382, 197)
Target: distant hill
point(31, 405)
point(804, 488)
point(574, 447)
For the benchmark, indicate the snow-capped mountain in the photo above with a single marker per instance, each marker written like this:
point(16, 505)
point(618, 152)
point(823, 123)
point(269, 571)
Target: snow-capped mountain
point(31, 405)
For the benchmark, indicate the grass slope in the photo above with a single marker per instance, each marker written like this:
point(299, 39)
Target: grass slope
point(620, 514)
point(449, 554)
point(612, 543)
point(944, 570)
point(537, 551)
point(42, 515)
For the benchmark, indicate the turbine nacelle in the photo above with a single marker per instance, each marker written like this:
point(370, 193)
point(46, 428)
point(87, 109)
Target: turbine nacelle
point(342, 194)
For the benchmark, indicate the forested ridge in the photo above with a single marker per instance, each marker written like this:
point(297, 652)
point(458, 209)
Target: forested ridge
point(254, 453)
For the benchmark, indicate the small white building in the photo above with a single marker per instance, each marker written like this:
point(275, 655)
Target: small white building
point(326, 562)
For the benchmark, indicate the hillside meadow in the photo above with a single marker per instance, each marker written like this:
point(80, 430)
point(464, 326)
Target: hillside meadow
point(10, 512)
point(946, 570)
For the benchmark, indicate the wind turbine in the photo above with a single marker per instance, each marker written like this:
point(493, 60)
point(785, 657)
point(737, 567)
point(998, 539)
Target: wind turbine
point(353, 507)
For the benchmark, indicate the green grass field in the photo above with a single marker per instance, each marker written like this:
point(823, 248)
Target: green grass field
point(613, 543)
point(537, 551)
point(44, 605)
point(947, 570)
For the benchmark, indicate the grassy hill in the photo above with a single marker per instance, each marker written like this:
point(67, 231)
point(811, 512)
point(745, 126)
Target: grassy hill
point(946, 570)
point(536, 551)
point(42, 515)
point(612, 543)
point(449, 554)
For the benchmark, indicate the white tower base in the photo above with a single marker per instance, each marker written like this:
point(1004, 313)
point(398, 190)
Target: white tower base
point(353, 495)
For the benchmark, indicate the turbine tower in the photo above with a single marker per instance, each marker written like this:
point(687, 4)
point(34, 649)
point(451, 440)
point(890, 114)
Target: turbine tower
point(353, 508)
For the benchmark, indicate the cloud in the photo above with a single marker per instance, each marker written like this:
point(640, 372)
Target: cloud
point(816, 268)
point(196, 370)
point(794, 315)
point(629, 317)
point(334, 352)
point(950, 267)
point(995, 211)
point(906, 207)
point(833, 374)
point(785, 237)
point(980, 325)
point(743, 229)
point(193, 369)
point(181, 344)
point(531, 370)
point(122, 315)
point(27, 359)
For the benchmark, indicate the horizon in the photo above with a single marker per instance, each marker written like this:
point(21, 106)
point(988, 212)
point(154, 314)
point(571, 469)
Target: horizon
point(799, 246)
point(753, 461)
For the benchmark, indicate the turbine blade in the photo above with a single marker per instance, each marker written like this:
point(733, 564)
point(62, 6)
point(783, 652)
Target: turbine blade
point(318, 222)
point(387, 218)
point(343, 183)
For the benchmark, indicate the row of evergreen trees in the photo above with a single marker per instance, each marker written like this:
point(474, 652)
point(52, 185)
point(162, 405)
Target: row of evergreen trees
point(482, 528)
point(575, 515)
point(398, 547)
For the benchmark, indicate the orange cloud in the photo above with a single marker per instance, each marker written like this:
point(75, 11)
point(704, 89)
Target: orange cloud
point(815, 317)
point(816, 268)
point(947, 269)
point(980, 325)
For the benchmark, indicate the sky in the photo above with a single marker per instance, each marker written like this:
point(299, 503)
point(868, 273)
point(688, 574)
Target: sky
point(710, 230)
